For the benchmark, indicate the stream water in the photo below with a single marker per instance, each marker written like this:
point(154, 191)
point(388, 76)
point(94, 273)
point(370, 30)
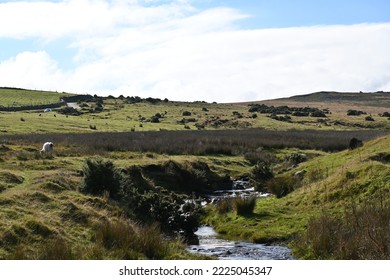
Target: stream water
point(211, 245)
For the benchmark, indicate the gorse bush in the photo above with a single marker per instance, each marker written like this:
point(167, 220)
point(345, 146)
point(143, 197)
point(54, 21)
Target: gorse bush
point(140, 198)
point(101, 176)
point(161, 206)
point(261, 174)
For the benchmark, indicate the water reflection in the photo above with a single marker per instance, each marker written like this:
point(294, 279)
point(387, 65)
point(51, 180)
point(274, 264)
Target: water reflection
point(211, 245)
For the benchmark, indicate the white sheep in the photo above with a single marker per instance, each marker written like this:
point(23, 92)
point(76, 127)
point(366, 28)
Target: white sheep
point(47, 148)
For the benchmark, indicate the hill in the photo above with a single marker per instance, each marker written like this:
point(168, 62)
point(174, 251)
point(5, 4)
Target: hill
point(371, 102)
point(17, 97)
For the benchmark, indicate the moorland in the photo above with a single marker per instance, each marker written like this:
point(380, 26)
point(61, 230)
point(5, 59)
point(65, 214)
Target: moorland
point(127, 173)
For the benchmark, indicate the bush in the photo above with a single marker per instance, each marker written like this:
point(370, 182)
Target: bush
point(101, 176)
point(283, 185)
point(385, 114)
point(155, 119)
point(296, 158)
point(318, 114)
point(262, 173)
point(355, 112)
point(151, 204)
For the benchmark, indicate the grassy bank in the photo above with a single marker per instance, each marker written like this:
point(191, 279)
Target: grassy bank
point(335, 188)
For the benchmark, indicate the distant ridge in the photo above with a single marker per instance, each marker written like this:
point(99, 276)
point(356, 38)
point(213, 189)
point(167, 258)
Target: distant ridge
point(379, 98)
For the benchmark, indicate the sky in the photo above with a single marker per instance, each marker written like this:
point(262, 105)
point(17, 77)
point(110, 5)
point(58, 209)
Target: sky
point(196, 50)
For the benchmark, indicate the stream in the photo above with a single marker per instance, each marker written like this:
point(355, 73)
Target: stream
point(211, 245)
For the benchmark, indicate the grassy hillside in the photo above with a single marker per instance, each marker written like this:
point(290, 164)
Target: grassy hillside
point(125, 114)
point(345, 182)
point(164, 146)
point(376, 99)
point(44, 215)
point(15, 97)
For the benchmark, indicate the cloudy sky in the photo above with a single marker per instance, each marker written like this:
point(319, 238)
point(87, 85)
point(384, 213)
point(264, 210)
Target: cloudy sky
point(211, 50)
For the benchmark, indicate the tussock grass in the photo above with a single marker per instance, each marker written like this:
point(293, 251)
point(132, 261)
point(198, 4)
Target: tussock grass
point(226, 142)
point(244, 205)
point(361, 232)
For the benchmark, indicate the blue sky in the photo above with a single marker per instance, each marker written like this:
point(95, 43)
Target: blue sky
point(285, 13)
point(211, 50)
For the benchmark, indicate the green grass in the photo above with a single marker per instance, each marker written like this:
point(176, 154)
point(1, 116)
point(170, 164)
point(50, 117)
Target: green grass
point(50, 219)
point(20, 97)
point(44, 216)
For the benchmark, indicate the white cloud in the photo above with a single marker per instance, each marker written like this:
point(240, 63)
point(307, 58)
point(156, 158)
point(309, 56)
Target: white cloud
point(31, 70)
point(170, 49)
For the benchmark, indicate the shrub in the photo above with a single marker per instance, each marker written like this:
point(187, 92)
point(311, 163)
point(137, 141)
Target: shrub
point(318, 114)
point(98, 109)
point(385, 114)
point(355, 113)
point(261, 173)
point(296, 158)
point(154, 119)
point(283, 185)
point(101, 176)
point(151, 204)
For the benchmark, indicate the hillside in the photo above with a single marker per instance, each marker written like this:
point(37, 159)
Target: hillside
point(123, 114)
point(373, 98)
point(163, 151)
point(337, 189)
point(371, 102)
point(16, 97)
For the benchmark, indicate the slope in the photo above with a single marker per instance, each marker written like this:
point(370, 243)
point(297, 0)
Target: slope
point(333, 184)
